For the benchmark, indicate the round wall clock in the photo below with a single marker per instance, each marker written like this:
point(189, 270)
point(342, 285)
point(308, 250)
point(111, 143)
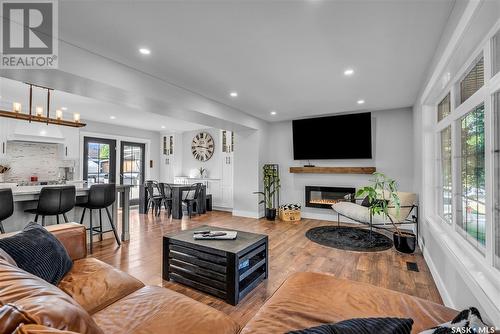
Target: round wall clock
point(202, 146)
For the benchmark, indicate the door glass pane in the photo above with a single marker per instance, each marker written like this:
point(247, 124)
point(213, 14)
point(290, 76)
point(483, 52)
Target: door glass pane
point(98, 162)
point(473, 211)
point(132, 167)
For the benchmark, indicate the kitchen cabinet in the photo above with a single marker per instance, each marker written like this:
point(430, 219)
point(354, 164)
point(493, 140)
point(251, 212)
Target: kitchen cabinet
point(168, 157)
point(71, 144)
point(227, 180)
point(4, 133)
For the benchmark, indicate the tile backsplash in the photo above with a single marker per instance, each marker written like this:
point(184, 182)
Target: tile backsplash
point(41, 159)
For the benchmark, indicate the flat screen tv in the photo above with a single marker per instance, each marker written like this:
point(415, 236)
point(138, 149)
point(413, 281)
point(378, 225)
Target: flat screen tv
point(333, 137)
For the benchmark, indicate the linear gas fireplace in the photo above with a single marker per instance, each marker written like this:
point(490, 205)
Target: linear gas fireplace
point(324, 197)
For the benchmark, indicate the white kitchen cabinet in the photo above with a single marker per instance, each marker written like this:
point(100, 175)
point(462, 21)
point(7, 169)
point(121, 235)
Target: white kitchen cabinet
point(71, 144)
point(227, 180)
point(4, 133)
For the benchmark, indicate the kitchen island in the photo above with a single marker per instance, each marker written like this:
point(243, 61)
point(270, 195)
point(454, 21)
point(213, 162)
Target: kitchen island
point(26, 197)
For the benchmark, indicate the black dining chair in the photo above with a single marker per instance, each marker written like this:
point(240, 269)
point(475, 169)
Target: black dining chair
point(167, 196)
point(54, 201)
point(6, 206)
point(191, 198)
point(100, 197)
point(155, 199)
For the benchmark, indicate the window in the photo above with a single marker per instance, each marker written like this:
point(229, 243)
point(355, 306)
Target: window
point(444, 108)
point(472, 81)
point(446, 198)
point(495, 55)
point(472, 167)
point(496, 204)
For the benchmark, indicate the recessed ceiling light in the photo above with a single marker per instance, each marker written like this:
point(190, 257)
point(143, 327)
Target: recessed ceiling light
point(163, 126)
point(349, 72)
point(361, 101)
point(273, 113)
point(112, 117)
point(144, 51)
point(233, 94)
point(64, 108)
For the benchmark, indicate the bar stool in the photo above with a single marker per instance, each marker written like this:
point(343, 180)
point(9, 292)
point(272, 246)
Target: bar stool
point(101, 196)
point(54, 201)
point(6, 206)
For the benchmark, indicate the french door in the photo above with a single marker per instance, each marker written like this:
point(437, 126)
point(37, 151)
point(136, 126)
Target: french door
point(132, 167)
point(99, 160)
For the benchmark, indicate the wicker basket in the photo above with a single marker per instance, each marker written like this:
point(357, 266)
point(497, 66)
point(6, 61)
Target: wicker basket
point(289, 212)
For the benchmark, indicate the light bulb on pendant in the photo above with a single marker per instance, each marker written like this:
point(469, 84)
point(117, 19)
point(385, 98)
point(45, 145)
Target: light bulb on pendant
point(76, 117)
point(16, 107)
point(59, 114)
point(39, 111)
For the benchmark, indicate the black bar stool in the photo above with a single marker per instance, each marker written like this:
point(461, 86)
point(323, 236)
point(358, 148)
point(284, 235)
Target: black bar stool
point(101, 196)
point(54, 201)
point(6, 206)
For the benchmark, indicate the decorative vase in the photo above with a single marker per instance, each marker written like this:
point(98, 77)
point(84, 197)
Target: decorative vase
point(406, 242)
point(270, 214)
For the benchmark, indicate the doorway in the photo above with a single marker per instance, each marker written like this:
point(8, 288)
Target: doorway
point(132, 166)
point(99, 160)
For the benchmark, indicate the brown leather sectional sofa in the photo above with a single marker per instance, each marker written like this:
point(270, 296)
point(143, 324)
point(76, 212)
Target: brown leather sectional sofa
point(95, 298)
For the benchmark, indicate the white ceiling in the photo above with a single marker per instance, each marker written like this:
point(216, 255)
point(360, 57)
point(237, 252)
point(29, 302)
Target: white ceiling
point(287, 56)
point(89, 109)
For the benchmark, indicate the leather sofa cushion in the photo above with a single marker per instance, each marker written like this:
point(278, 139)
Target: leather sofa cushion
point(11, 317)
point(155, 310)
point(43, 302)
point(310, 299)
point(95, 284)
point(39, 329)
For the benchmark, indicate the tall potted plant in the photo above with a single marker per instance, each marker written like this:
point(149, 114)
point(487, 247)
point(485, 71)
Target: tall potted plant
point(271, 187)
point(382, 192)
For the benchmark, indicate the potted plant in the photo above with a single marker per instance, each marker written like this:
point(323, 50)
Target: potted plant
point(271, 187)
point(202, 172)
point(382, 192)
point(3, 170)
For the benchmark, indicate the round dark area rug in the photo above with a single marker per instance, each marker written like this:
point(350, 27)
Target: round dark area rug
point(349, 238)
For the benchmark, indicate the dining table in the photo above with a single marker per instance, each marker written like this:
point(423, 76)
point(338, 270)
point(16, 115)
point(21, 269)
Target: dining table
point(178, 193)
point(27, 196)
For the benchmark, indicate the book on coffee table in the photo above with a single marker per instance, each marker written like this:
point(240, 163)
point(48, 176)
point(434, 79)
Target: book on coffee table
point(229, 235)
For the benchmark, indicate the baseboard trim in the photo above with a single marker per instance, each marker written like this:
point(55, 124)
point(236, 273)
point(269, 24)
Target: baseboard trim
point(445, 295)
point(220, 208)
point(246, 214)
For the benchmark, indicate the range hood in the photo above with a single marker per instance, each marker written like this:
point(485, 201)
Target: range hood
point(36, 132)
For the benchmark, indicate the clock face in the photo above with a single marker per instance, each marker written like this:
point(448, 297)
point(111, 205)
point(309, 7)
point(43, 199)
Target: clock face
point(202, 146)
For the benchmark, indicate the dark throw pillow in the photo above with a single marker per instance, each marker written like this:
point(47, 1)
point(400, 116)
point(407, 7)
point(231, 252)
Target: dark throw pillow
point(38, 252)
point(467, 321)
point(362, 326)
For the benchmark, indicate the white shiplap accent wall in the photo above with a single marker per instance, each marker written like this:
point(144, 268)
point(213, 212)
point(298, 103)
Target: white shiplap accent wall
point(27, 159)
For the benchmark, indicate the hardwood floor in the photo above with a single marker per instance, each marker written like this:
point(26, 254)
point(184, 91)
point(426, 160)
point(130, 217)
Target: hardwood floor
point(290, 251)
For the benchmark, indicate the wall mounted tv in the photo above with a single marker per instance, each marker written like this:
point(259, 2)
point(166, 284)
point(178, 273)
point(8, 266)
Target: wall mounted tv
point(333, 137)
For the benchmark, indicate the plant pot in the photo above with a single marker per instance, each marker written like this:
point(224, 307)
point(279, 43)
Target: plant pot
point(270, 214)
point(406, 242)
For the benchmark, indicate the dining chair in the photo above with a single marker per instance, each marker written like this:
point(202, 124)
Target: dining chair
point(191, 198)
point(155, 199)
point(167, 196)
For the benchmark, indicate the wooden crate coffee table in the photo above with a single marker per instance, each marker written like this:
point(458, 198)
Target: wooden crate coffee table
point(213, 266)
